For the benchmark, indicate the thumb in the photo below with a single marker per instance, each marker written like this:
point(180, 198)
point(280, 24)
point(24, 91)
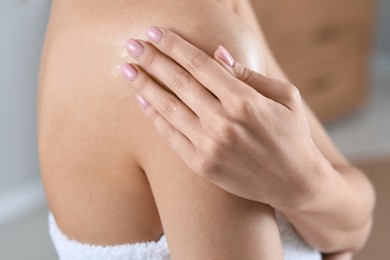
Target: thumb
point(241, 72)
point(271, 88)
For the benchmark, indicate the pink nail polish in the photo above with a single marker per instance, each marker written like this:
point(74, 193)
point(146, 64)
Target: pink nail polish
point(225, 56)
point(142, 102)
point(154, 34)
point(129, 71)
point(134, 47)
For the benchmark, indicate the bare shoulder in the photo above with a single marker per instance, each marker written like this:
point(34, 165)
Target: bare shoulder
point(102, 161)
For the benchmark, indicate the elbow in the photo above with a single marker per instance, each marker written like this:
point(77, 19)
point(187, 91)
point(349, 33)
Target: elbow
point(362, 236)
point(357, 246)
point(349, 242)
point(355, 239)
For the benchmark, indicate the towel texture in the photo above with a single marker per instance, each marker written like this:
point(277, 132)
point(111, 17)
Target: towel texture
point(294, 248)
point(72, 250)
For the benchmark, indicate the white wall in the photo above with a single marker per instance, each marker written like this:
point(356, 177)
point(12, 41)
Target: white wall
point(22, 28)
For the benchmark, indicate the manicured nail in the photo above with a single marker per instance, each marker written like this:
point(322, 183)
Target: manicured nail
point(142, 102)
point(134, 47)
point(225, 56)
point(154, 34)
point(129, 71)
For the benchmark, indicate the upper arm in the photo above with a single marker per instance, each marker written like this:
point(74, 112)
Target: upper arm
point(202, 221)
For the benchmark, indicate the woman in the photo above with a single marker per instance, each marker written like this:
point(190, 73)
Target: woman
point(108, 177)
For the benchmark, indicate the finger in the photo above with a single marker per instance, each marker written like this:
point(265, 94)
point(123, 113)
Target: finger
point(167, 105)
point(199, 64)
point(175, 139)
point(188, 89)
point(279, 91)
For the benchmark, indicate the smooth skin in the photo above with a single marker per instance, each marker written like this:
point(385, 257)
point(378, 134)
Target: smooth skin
point(109, 178)
point(227, 127)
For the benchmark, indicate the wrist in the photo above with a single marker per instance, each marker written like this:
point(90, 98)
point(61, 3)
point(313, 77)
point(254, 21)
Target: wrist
point(315, 186)
point(335, 211)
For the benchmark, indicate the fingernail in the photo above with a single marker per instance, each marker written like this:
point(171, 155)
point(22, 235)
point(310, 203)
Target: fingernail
point(225, 56)
point(142, 102)
point(154, 34)
point(129, 71)
point(134, 47)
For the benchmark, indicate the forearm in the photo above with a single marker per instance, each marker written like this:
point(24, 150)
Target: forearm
point(338, 217)
point(342, 217)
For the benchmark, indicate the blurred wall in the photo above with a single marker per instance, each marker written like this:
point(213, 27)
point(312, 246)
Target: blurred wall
point(383, 26)
point(22, 28)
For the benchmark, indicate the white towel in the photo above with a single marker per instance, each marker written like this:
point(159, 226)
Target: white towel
point(72, 250)
point(294, 248)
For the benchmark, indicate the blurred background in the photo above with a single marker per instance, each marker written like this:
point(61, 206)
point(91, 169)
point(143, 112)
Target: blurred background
point(336, 51)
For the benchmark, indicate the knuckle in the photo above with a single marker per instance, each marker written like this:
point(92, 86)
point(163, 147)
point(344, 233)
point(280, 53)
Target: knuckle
point(150, 59)
point(169, 108)
point(209, 158)
point(247, 75)
point(198, 61)
point(141, 82)
point(167, 133)
point(243, 109)
point(206, 167)
point(180, 81)
point(169, 42)
point(224, 136)
point(152, 115)
point(202, 168)
point(292, 94)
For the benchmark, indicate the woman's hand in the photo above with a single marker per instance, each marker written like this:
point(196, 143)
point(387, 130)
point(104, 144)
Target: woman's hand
point(249, 136)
